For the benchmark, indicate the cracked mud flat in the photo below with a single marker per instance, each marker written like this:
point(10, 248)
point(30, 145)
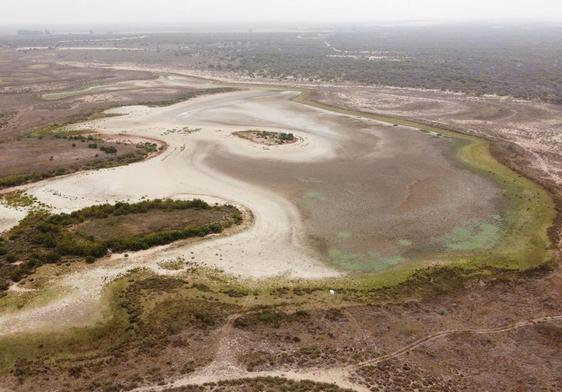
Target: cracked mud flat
point(288, 237)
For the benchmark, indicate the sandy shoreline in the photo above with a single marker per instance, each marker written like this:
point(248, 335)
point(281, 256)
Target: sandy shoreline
point(273, 246)
point(278, 243)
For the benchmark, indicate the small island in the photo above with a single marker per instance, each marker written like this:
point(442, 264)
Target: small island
point(267, 138)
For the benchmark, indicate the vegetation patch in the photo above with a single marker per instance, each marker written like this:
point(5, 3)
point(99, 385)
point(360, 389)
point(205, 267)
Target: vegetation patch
point(151, 314)
point(148, 313)
point(173, 265)
point(93, 232)
point(270, 384)
point(267, 138)
point(17, 199)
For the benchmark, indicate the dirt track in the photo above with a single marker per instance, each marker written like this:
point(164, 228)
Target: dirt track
point(225, 369)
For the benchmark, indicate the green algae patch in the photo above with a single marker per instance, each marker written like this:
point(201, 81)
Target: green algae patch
point(515, 239)
point(316, 196)
point(472, 236)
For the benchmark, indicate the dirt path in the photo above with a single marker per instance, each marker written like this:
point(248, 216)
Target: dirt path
point(442, 334)
point(342, 376)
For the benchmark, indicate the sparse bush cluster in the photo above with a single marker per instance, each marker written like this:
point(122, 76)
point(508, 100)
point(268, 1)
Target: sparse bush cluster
point(108, 149)
point(487, 60)
point(286, 137)
point(113, 158)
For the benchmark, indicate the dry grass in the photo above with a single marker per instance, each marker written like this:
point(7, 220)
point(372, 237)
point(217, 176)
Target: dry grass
point(149, 222)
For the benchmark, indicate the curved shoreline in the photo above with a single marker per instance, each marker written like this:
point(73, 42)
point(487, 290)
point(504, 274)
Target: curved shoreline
point(284, 214)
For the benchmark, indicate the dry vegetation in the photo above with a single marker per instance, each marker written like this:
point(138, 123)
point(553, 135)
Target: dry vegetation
point(167, 328)
point(32, 147)
point(505, 58)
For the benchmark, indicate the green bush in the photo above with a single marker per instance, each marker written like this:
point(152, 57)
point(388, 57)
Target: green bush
point(15, 180)
point(42, 238)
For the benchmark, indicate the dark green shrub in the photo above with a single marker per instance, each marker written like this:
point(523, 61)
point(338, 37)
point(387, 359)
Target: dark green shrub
point(108, 149)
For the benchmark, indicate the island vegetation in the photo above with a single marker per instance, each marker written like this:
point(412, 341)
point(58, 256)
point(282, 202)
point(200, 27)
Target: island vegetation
point(267, 138)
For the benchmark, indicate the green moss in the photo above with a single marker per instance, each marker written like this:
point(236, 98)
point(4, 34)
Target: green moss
point(521, 240)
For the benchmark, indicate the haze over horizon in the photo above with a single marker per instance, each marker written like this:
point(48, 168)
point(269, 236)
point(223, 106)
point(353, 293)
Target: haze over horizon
point(13, 12)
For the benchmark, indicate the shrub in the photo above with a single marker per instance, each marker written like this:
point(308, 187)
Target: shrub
point(9, 181)
point(11, 258)
point(41, 238)
point(52, 257)
point(108, 149)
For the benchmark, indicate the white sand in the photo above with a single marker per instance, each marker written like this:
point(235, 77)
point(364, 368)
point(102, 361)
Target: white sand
point(9, 217)
point(273, 246)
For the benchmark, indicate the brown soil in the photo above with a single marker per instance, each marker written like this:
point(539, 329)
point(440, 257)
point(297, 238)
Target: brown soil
point(534, 127)
point(525, 135)
point(387, 186)
point(34, 155)
point(23, 111)
point(149, 222)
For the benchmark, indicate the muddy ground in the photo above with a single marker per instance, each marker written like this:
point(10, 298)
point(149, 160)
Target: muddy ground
point(534, 127)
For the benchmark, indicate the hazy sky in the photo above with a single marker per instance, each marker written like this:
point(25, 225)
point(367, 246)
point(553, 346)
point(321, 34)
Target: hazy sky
point(111, 11)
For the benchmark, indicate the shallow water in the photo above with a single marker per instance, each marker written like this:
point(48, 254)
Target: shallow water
point(389, 195)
